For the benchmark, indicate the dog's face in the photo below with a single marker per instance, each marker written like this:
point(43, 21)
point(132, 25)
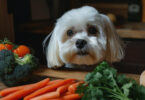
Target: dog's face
point(83, 36)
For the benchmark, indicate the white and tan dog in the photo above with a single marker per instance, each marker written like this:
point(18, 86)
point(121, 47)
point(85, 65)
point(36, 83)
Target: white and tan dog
point(82, 36)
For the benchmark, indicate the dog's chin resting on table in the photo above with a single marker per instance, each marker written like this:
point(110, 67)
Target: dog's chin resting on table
point(80, 37)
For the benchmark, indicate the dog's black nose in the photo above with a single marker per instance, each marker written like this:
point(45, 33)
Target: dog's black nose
point(80, 43)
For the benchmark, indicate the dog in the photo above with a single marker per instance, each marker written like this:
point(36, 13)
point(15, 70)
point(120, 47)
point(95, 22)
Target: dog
point(82, 36)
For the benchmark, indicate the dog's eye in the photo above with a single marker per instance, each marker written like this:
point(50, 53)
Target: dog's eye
point(70, 32)
point(92, 30)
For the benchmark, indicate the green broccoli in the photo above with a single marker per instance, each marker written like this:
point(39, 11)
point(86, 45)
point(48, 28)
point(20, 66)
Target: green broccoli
point(14, 70)
point(6, 62)
point(19, 75)
point(27, 59)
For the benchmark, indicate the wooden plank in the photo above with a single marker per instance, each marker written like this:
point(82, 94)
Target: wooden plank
point(80, 75)
point(134, 34)
point(2, 86)
point(56, 74)
point(143, 10)
point(62, 74)
point(6, 22)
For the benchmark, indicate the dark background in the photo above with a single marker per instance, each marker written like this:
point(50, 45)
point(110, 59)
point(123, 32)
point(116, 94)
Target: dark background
point(34, 19)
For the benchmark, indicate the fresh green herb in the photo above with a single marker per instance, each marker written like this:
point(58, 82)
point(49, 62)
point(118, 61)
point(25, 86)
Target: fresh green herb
point(105, 84)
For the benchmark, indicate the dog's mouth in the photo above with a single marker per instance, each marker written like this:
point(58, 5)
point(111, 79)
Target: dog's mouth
point(82, 53)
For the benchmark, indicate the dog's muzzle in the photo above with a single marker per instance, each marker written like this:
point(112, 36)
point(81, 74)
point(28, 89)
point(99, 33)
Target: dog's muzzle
point(80, 44)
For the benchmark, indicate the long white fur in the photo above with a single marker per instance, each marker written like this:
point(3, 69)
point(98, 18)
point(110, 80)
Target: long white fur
point(106, 45)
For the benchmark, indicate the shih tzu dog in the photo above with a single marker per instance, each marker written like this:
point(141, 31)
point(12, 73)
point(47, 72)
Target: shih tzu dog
point(80, 37)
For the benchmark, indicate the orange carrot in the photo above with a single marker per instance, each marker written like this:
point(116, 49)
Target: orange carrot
point(67, 93)
point(72, 97)
point(54, 81)
point(7, 91)
point(48, 88)
point(25, 91)
point(72, 88)
point(56, 99)
point(62, 89)
point(47, 96)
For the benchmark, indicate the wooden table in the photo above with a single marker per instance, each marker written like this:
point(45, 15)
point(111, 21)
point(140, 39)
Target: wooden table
point(80, 75)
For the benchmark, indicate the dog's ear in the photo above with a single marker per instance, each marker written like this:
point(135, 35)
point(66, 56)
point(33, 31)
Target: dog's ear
point(46, 42)
point(114, 45)
point(51, 49)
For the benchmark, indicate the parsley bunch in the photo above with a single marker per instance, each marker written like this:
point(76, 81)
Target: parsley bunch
point(105, 84)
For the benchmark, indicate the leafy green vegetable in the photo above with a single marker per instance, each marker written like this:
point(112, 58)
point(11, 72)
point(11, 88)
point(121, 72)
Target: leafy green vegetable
point(6, 62)
point(18, 76)
point(14, 72)
point(27, 59)
point(105, 84)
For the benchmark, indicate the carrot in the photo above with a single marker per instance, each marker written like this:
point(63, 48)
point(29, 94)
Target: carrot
point(62, 89)
point(67, 93)
point(48, 88)
point(72, 88)
point(7, 91)
point(72, 97)
point(25, 91)
point(56, 99)
point(53, 82)
point(49, 95)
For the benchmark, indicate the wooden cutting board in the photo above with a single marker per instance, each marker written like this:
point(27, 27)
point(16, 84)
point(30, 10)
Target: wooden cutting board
point(80, 75)
point(57, 74)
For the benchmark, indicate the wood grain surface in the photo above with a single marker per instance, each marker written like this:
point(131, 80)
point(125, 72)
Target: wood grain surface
point(80, 75)
point(60, 74)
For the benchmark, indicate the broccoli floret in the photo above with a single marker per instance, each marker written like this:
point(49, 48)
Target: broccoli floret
point(27, 59)
point(15, 70)
point(7, 62)
point(19, 75)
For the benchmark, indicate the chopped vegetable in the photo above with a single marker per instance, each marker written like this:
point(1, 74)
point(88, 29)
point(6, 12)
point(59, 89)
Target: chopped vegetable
point(105, 84)
point(21, 50)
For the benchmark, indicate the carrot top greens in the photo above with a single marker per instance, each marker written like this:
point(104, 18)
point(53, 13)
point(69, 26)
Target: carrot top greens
point(105, 84)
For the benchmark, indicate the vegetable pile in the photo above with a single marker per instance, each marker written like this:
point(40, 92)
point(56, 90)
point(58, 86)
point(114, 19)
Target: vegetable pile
point(44, 90)
point(16, 63)
point(105, 84)
point(102, 84)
